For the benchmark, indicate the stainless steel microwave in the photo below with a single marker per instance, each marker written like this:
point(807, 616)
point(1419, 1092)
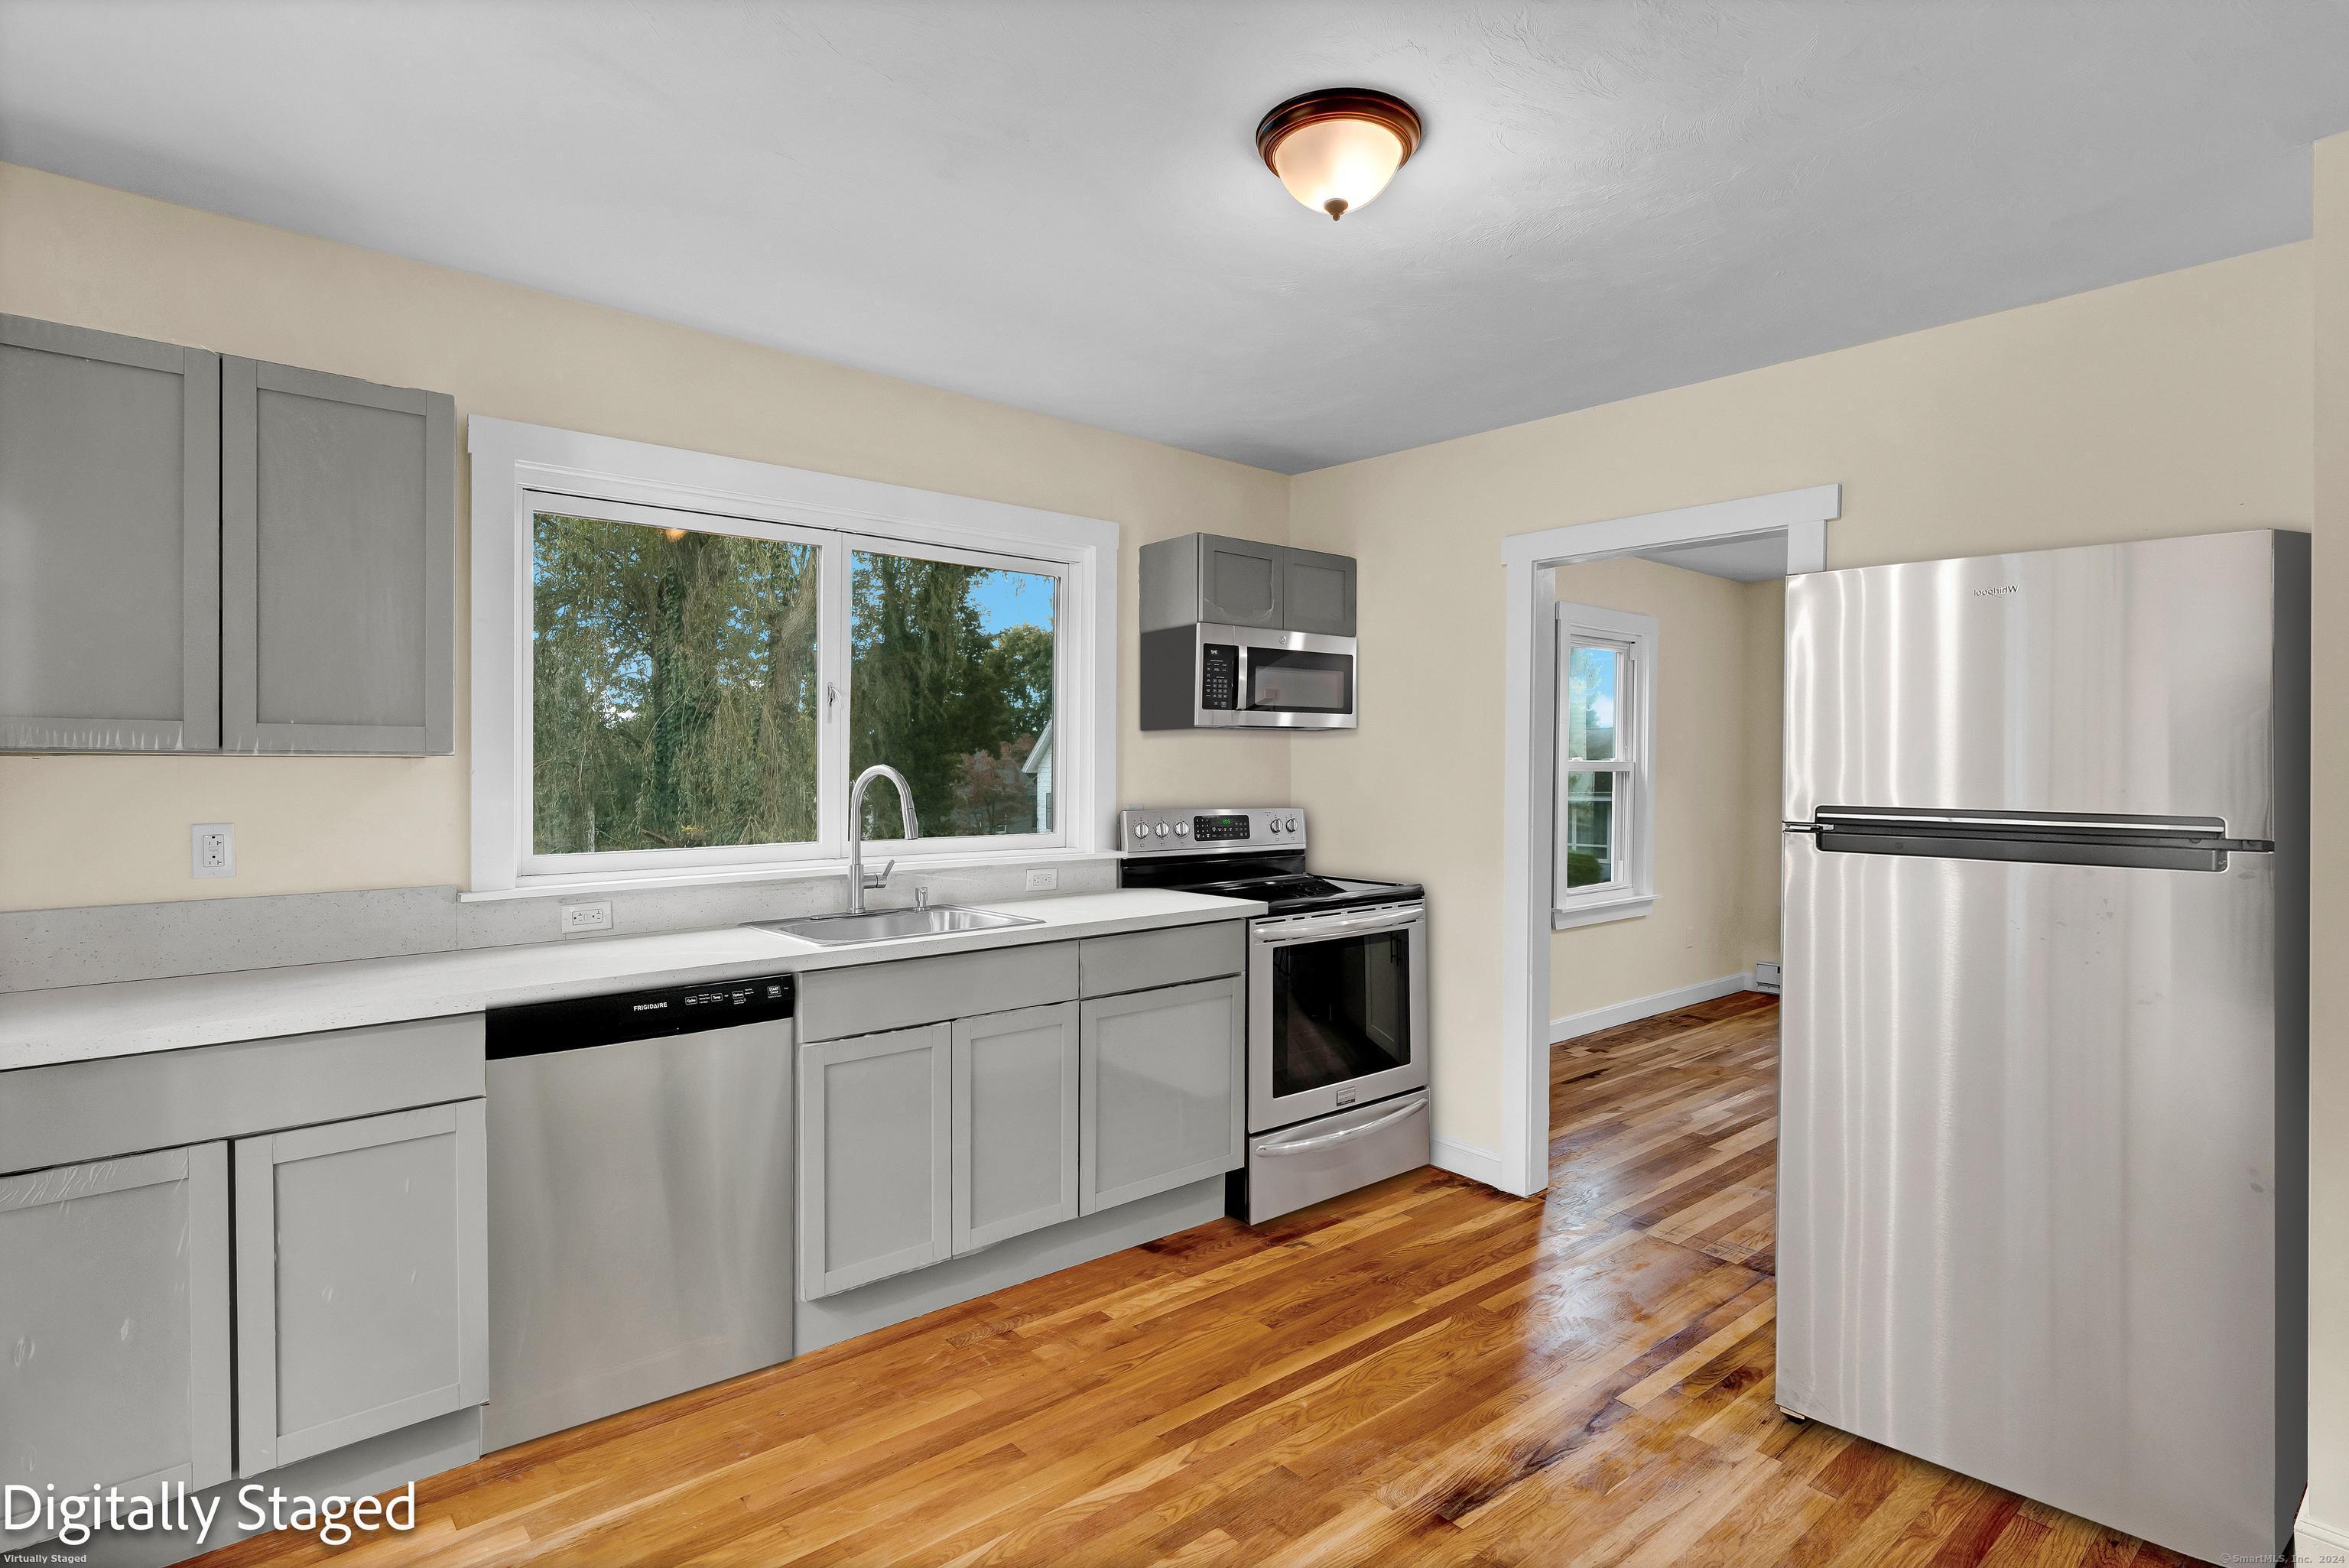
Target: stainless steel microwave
point(1203, 676)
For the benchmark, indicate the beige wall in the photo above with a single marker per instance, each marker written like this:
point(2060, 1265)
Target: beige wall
point(1716, 779)
point(2328, 1316)
point(102, 830)
point(2180, 404)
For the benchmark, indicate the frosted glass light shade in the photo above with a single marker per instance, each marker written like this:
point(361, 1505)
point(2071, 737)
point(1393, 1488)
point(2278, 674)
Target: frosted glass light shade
point(1335, 149)
point(1335, 166)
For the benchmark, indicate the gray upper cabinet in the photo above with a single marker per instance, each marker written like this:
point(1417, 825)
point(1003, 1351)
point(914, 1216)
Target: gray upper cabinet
point(338, 564)
point(1015, 1124)
point(1245, 583)
point(1161, 1086)
point(362, 1264)
point(1208, 577)
point(876, 1152)
point(114, 1294)
point(1317, 592)
point(109, 541)
point(1239, 582)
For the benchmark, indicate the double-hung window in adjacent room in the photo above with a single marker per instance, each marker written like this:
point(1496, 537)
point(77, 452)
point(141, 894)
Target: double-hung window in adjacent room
point(1605, 818)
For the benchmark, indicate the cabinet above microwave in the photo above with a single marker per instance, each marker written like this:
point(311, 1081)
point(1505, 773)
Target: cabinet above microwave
point(1243, 583)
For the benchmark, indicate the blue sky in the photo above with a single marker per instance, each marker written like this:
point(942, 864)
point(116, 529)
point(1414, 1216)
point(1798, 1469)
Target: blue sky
point(1013, 598)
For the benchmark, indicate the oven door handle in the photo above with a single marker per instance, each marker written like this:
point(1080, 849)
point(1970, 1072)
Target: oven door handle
point(1307, 930)
point(1306, 1145)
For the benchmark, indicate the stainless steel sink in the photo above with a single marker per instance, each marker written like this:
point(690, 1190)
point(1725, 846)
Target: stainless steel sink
point(888, 924)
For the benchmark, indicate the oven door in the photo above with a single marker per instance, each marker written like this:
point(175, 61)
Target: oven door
point(1337, 1011)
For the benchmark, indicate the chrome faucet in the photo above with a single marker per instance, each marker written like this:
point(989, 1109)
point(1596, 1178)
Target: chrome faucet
point(857, 880)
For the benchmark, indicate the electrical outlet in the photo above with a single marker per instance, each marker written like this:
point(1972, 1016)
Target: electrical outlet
point(596, 916)
point(212, 849)
point(1043, 882)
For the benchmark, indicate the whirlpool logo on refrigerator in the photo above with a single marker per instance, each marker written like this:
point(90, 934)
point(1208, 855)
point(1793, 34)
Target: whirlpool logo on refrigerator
point(2004, 590)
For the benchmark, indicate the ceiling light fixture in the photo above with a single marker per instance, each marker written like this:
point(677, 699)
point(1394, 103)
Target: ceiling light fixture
point(1336, 149)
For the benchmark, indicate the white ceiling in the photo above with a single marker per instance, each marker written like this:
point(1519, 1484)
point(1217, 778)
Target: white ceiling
point(1758, 558)
point(1057, 205)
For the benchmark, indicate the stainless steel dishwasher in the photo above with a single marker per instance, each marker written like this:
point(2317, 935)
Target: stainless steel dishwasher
point(640, 1198)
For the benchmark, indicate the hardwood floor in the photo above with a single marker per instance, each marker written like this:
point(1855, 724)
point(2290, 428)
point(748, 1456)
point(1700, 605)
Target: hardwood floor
point(1422, 1372)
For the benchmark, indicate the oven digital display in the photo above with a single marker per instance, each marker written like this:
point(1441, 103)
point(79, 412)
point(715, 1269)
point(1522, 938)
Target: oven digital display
point(1210, 830)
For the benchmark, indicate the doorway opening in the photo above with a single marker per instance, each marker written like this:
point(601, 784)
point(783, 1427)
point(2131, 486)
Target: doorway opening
point(1590, 813)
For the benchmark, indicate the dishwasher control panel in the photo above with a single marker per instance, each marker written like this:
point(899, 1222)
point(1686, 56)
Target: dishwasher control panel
point(572, 1023)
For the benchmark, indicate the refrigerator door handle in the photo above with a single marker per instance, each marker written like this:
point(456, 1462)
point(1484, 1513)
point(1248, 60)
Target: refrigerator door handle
point(2047, 838)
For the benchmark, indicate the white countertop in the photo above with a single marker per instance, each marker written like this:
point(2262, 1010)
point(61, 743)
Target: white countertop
point(81, 1022)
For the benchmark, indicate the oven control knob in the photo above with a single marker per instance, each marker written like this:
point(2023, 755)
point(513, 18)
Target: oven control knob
point(1160, 830)
point(1292, 824)
point(1182, 829)
point(1276, 824)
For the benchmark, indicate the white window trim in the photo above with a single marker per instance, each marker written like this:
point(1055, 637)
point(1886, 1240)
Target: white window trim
point(1633, 893)
point(512, 460)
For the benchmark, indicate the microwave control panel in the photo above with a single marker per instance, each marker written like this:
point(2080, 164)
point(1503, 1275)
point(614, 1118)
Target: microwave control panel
point(1219, 675)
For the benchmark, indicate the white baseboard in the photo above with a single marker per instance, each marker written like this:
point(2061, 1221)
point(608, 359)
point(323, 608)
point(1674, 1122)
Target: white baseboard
point(1640, 1007)
point(1467, 1160)
point(2308, 1536)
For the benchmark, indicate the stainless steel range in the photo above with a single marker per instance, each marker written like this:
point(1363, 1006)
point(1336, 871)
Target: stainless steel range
point(1338, 1041)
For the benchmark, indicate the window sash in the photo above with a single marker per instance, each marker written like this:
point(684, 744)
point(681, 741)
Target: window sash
point(1631, 846)
point(1062, 673)
point(834, 548)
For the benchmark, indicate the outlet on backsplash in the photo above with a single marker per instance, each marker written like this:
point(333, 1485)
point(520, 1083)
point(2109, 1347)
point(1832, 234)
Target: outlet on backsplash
point(578, 917)
point(211, 850)
point(1043, 880)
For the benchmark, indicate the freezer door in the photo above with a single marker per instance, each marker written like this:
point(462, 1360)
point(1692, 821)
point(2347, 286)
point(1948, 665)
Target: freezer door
point(2028, 1181)
point(2128, 678)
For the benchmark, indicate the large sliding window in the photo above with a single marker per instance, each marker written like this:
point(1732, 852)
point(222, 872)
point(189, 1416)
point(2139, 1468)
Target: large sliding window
point(702, 689)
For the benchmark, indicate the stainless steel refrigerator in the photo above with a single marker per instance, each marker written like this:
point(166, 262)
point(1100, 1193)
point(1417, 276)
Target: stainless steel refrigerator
point(2043, 1169)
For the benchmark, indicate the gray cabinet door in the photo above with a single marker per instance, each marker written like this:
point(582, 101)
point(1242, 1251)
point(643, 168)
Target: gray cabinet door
point(362, 1270)
point(1015, 1124)
point(1239, 582)
point(109, 541)
point(338, 540)
point(1162, 1081)
point(114, 1297)
point(1317, 592)
point(876, 1156)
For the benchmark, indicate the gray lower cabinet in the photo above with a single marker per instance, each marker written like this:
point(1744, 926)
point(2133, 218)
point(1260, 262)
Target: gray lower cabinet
point(362, 1267)
point(1162, 1078)
point(338, 565)
point(109, 541)
point(114, 1324)
point(1015, 1124)
point(876, 1156)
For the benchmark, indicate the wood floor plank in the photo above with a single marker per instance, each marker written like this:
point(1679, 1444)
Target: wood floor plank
point(1424, 1371)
